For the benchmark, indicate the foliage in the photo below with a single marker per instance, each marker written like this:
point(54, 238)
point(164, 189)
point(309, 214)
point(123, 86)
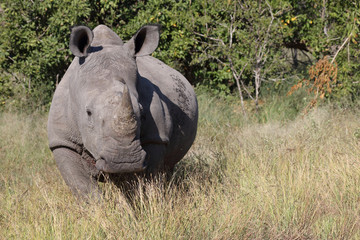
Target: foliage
point(239, 41)
point(328, 28)
point(322, 79)
point(34, 51)
point(228, 46)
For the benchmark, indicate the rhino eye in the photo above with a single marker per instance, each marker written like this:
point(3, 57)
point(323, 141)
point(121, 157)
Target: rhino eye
point(88, 112)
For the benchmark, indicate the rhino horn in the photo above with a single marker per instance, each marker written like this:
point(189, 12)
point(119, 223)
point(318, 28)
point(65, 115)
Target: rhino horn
point(126, 101)
point(125, 120)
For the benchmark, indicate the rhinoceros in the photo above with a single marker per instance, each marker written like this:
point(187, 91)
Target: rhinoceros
point(118, 110)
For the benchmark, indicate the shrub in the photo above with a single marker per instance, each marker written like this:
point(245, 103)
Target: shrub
point(34, 52)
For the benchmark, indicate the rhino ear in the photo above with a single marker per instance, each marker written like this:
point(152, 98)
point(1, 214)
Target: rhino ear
point(80, 40)
point(145, 41)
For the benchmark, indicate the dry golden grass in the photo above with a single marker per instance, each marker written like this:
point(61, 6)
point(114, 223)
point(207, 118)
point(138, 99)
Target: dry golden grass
point(295, 179)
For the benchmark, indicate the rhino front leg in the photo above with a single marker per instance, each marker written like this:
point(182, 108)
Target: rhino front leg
point(155, 158)
point(76, 177)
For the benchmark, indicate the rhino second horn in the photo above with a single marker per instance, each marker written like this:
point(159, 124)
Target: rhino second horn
point(124, 119)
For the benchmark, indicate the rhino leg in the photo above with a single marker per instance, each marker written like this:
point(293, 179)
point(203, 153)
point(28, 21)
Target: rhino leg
point(155, 158)
point(76, 177)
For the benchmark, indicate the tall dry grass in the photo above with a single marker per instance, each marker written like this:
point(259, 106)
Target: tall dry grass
point(297, 179)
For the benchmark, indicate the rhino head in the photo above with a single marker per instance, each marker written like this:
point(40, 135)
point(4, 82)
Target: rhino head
point(104, 96)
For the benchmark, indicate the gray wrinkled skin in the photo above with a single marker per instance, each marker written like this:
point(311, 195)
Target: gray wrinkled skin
point(119, 110)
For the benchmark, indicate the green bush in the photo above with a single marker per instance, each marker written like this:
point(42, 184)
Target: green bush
point(210, 42)
point(34, 49)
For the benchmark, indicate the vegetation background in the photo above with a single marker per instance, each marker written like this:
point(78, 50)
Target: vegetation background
point(247, 48)
point(278, 145)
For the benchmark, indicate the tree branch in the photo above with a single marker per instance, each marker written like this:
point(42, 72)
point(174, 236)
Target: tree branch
point(211, 38)
point(341, 47)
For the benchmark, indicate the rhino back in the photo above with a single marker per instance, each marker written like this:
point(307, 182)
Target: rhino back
point(180, 100)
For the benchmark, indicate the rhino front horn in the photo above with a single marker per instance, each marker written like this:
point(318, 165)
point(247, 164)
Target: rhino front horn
point(126, 101)
point(124, 119)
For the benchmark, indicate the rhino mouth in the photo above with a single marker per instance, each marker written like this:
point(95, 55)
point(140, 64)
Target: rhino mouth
point(122, 159)
point(124, 167)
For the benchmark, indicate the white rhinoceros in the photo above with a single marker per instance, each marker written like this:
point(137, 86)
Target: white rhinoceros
point(119, 110)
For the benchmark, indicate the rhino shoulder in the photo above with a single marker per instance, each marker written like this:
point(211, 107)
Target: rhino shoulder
point(172, 84)
point(61, 130)
point(155, 123)
point(179, 101)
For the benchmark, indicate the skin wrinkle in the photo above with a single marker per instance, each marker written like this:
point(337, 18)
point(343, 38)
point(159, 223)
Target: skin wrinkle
point(114, 150)
point(109, 65)
point(98, 62)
